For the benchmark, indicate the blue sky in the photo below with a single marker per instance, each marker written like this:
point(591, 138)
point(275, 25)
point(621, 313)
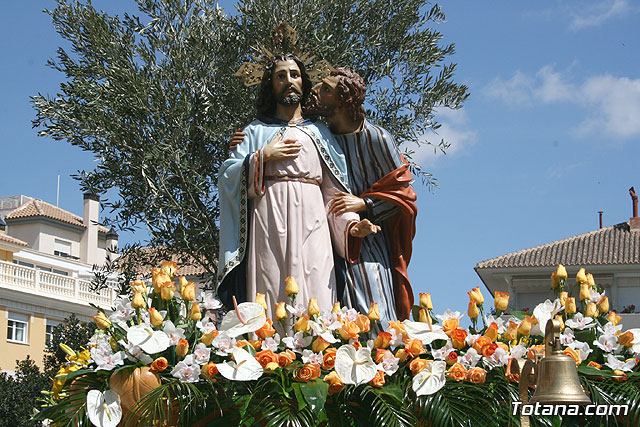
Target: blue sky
point(549, 136)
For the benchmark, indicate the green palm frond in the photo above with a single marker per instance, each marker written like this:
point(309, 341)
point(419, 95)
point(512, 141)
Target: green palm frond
point(366, 405)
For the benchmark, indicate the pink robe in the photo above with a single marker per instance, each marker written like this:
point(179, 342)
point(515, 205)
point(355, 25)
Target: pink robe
point(291, 232)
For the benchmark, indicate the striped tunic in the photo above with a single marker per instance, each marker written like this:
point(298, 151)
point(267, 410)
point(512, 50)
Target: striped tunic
point(371, 154)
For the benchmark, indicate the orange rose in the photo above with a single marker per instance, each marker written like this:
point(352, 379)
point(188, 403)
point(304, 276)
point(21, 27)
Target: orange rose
point(572, 353)
point(266, 356)
point(594, 364)
point(452, 358)
point(417, 365)
point(414, 348)
point(308, 371)
point(266, 330)
point(286, 357)
point(492, 332)
point(329, 358)
point(481, 342)
point(209, 337)
point(256, 344)
point(450, 324)
point(182, 348)
point(399, 327)
point(335, 383)
point(512, 331)
point(458, 337)
point(159, 365)
point(209, 371)
point(320, 344)
point(626, 339)
point(380, 355)
point(356, 345)
point(489, 349)
point(349, 330)
point(383, 340)
point(477, 375)
point(619, 376)
point(457, 372)
point(378, 380)
point(363, 322)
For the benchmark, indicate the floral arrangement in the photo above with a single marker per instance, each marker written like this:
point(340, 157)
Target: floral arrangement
point(162, 359)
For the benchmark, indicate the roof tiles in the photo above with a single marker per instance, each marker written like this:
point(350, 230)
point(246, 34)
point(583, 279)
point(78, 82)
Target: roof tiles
point(38, 208)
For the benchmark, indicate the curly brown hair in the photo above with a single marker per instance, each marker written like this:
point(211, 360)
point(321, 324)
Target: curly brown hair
point(351, 91)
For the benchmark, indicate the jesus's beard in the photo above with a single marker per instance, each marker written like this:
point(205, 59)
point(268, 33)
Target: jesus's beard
point(290, 99)
point(315, 108)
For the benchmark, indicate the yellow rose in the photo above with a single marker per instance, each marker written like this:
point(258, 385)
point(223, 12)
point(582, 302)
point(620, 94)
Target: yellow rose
point(619, 375)
point(383, 340)
point(208, 338)
point(182, 348)
point(189, 291)
point(561, 272)
point(450, 324)
point(194, 313)
point(155, 317)
point(101, 320)
point(182, 283)
point(603, 304)
point(169, 268)
point(260, 299)
point(271, 366)
point(626, 339)
point(554, 280)
point(336, 307)
point(402, 355)
point(157, 279)
point(425, 300)
point(492, 332)
point(349, 330)
point(138, 286)
point(570, 305)
point(138, 300)
point(585, 291)
point(525, 326)
point(614, 318)
point(476, 295)
point(563, 297)
point(512, 331)
point(473, 311)
point(363, 323)
point(167, 291)
point(590, 280)
point(291, 286)
point(302, 325)
point(374, 312)
point(501, 300)
point(581, 277)
point(591, 310)
point(312, 308)
point(281, 311)
point(320, 344)
point(423, 316)
point(558, 317)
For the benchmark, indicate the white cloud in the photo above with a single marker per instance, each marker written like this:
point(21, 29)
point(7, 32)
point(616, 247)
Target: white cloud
point(452, 130)
point(596, 14)
point(612, 104)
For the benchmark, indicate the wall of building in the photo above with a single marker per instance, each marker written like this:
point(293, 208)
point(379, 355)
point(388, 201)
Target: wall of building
point(28, 233)
point(49, 234)
point(6, 255)
point(35, 346)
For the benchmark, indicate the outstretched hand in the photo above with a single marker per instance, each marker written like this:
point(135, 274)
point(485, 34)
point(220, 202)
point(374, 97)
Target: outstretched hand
point(345, 202)
point(364, 228)
point(281, 149)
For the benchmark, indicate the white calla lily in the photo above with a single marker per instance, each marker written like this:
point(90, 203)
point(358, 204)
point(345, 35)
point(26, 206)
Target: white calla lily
point(430, 379)
point(104, 409)
point(252, 317)
point(245, 367)
point(150, 341)
point(543, 312)
point(421, 331)
point(355, 366)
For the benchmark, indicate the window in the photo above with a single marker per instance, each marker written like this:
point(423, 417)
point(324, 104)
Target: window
point(51, 324)
point(17, 328)
point(61, 248)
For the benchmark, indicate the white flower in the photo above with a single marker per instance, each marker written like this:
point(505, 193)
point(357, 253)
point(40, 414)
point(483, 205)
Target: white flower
point(396, 338)
point(174, 334)
point(297, 311)
point(308, 356)
point(583, 347)
point(349, 314)
point(608, 343)
point(389, 363)
point(579, 322)
point(498, 321)
point(498, 358)
point(186, 370)
point(442, 352)
point(122, 310)
point(210, 302)
point(330, 320)
point(470, 340)
point(615, 363)
point(245, 367)
point(545, 311)
point(355, 366)
point(201, 354)
point(595, 296)
point(106, 362)
point(253, 315)
point(224, 343)
point(518, 351)
point(449, 314)
point(206, 325)
point(636, 340)
point(135, 353)
point(430, 379)
point(297, 342)
point(147, 339)
point(567, 337)
point(611, 329)
point(321, 329)
point(104, 409)
point(271, 343)
point(470, 358)
point(421, 331)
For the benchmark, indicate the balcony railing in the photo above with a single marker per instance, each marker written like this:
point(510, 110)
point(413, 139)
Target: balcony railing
point(35, 281)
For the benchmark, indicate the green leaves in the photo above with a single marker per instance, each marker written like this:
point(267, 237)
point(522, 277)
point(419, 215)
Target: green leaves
point(313, 394)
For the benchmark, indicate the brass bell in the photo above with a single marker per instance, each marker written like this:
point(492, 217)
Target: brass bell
point(556, 376)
